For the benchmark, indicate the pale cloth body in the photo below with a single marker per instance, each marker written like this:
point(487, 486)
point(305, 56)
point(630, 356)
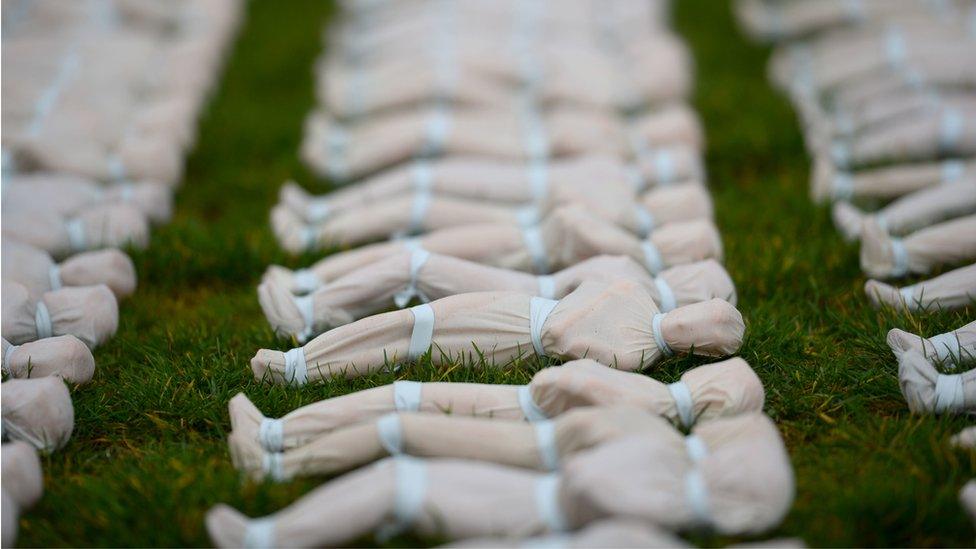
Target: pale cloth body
point(621, 533)
point(952, 290)
point(90, 313)
point(65, 356)
point(887, 182)
point(947, 243)
point(912, 212)
point(23, 479)
point(105, 226)
point(38, 412)
point(38, 272)
point(745, 476)
point(611, 323)
point(952, 349)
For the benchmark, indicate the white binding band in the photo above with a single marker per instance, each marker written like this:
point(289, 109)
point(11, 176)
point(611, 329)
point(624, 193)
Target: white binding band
point(547, 503)
point(422, 183)
point(306, 307)
point(528, 216)
point(76, 234)
point(116, 170)
point(658, 336)
point(545, 439)
point(949, 395)
point(42, 321)
point(437, 129)
point(305, 281)
point(697, 494)
point(645, 220)
point(259, 534)
point(896, 49)
point(418, 258)
point(843, 186)
point(422, 334)
point(406, 395)
point(953, 169)
point(652, 257)
point(547, 286)
point(536, 248)
point(337, 138)
point(951, 129)
point(666, 300)
point(539, 310)
point(855, 9)
point(271, 434)
point(54, 276)
point(683, 403)
point(296, 369)
point(664, 167)
point(899, 256)
point(539, 180)
point(696, 448)
point(947, 346)
point(317, 210)
point(408, 500)
point(6, 357)
point(309, 237)
point(530, 409)
point(272, 466)
point(908, 296)
point(390, 431)
point(637, 179)
point(840, 153)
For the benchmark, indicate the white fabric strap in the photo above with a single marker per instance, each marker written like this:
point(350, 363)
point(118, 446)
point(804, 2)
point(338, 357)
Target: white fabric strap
point(658, 336)
point(882, 221)
point(855, 9)
point(309, 237)
point(951, 129)
point(76, 234)
point(412, 243)
point(49, 98)
point(664, 167)
point(636, 178)
point(115, 167)
point(683, 403)
point(418, 211)
point(6, 357)
point(547, 286)
point(908, 296)
point(896, 49)
point(410, 492)
point(952, 170)
point(296, 369)
point(305, 281)
point(338, 139)
point(273, 467)
point(54, 276)
point(530, 409)
point(696, 493)
point(406, 395)
point(42, 321)
point(539, 310)
point(947, 346)
point(547, 503)
point(259, 534)
point(317, 211)
point(539, 179)
point(423, 331)
point(438, 127)
point(545, 439)
point(306, 306)
point(840, 153)
point(949, 395)
point(652, 257)
point(843, 186)
point(422, 178)
point(899, 256)
point(271, 434)
point(528, 216)
point(645, 220)
point(536, 248)
point(418, 258)
point(390, 432)
point(696, 448)
point(666, 300)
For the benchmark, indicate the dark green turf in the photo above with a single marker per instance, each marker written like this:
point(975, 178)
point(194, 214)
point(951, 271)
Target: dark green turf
point(148, 456)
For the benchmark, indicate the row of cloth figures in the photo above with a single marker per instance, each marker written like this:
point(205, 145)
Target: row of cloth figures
point(93, 145)
point(886, 92)
point(494, 202)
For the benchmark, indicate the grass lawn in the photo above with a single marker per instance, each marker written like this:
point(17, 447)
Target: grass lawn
point(148, 456)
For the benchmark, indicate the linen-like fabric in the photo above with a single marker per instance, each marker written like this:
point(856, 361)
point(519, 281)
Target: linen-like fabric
point(70, 195)
point(944, 243)
point(927, 391)
point(105, 226)
point(915, 211)
point(89, 313)
point(37, 271)
point(65, 356)
point(620, 533)
point(611, 323)
point(37, 412)
point(953, 290)
point(23, 480)
point(887, 182)
point(957, 347)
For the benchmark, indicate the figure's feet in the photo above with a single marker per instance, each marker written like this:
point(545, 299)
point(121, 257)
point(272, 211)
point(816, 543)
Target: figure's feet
point(252, 460)
point(226, 526)
point(881, 293)
point(848, 220)
point(878, 258)
point(293, 234)
point(281, 310)
point(300, 282)
point(245, 418)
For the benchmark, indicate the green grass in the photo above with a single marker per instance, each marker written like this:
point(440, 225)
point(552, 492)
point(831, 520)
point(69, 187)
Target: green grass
point(148, 456)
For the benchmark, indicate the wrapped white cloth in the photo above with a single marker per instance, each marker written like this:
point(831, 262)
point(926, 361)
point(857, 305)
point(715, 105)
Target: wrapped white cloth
point(620, 533)
point(965, 438)
point(38, 412)
point(89, 313)
point(967, 497)
point(404, 276)
point(735, 478)
point(955, 348)
point(944, 243)
point(23, 479)
point(71, 195)
point(911, 212)
point(38, 272)
point(887, 182)
point(953, 290)
point(617, 324)
point(564, 238)
point(927, 391)
point(105, 226)
point(703, 393)
point(65, 356)
point(11, 519)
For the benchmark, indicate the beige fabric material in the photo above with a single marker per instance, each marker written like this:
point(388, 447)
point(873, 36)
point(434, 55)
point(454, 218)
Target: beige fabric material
point(967, 497)
point(23, 479)
point(716, 390)
point(745, 480)
point(38, 272)
point(887, 182)
point(965, 438)
point(70, 195)
point(927, 391)
point(38, 412)
point(955, 348)
point(911, 212)
point(392, 281)
point(11, 519)
point(622, 533)
point(89, 313)
point(65, 356)
point(945, 243)
point(106, 226)
point(611, 323)
point(953, 290)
